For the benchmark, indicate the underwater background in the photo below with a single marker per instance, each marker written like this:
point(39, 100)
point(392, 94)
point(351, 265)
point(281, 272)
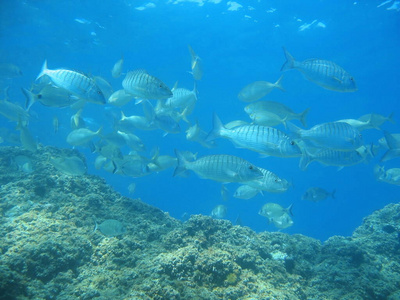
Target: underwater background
point(238, 44)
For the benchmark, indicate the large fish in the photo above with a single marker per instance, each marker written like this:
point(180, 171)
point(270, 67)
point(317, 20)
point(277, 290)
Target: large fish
point(325, 73)
point(145, 86)
point(76, 83)
point(222, 168)
point(262, 139)
point(334, 135)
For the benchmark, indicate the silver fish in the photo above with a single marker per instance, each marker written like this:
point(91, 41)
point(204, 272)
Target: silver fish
point(334, 135)
point(274, 211)
point(316, 194)
point(111, 228)
point(262, 139)
point(391, 176)
point(219, 212)
point(72, 165)
point(13, 111)
point(270, 182)
point(283, 221)
point(325, 73)
point(142, 85)
point(258, 89)
point(245, 192)
point(51, 96)
point(392, 141)
point(222, 168)
point(82, 136)
point(196, 64)
point(8, 71)
point(117, 68)
point(120, 98)
point(76, 83)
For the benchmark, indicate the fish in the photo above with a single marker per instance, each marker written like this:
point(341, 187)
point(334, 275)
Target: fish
point(196, 134)
point(128, 124)
point(333, 135)
point(26, 138)
point(13, 112)
point(82, 136)
point(145, 86)
point(376, 120)
point(182, 98)
point(76, 83)
point(262, 139)
point(391, 176)
point(279, 109)
point(219, 212)
point(222, 168)
point(332, 157)
point(117, 68)
point(267, 118)
point(316, 194)
point(274, 210)
point(132, 165)
point(51, 96)
point(163, 121)
point(9, 71)
point(245, 192)
point(104, 86)
point(132, 188)
point(70, 165)
point(270, 182)
point(111, 228)
point(283, 221)
point(23, 163)
point(224, 192)
point(258, 89)
point(133, 141)
point(120, 98)
point(324, 73)
point(196, 64)
point(392, 142)
point(56, 124)
point(99, 162)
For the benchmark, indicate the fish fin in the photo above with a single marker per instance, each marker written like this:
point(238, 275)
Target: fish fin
point(390, 118)
point(43, 70)
point(390, 140)
point(333, 194)
point(294, 130)
point(303, 117)
point(181, 167)
point(216, 130)
point(337, 79)
point(278, 84)
point(289, 209)
point(30, 98)
point(390, 154)
point(305, 160)
point(175, 86)
point(100, 131)
point(165, 134)
point(138, 101)
point(340, 168)
point(290, 61)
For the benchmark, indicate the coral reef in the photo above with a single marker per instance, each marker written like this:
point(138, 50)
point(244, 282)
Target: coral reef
point(49, 249)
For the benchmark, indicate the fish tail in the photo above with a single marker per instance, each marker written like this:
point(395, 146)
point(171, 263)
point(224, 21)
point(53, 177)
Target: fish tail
point(181, 167)
point(333, 194)
point(294, 130)
point(43, 70)
point(289, 209)
point(149, 111)
point(216, 130)
point(290, 61)
point(305, 160)
point(303, 117)
point(279, 85)
point(100, 131)
point(30, 98)
point(390, 118)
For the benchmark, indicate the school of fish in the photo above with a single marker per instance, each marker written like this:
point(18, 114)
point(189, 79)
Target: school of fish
point(333, 143)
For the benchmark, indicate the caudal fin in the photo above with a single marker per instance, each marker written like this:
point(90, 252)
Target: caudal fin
point(278, 84)
point(43, 71)
point(30, 98)
point(289, 64)
point(303, 117)
point(216, 130)
point(180, 169)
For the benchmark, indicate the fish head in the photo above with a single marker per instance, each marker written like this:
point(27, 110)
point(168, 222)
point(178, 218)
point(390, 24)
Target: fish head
point(249, 171)
point(162, 91)
point(95, 95)
point(280, 185)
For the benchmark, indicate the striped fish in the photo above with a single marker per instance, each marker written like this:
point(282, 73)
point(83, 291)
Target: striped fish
point(325, 73)
point(331, 157)
point(222, 168)
point(334, 135)
point(262, 139)
point(270, 182)
point(76, 83)
point(144, 86)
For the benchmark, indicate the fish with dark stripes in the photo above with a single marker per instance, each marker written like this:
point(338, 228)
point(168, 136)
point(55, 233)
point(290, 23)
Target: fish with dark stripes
point(262, 139)
point(74, 82)
point(222, 168)
point(325, 73)
point(145, 86)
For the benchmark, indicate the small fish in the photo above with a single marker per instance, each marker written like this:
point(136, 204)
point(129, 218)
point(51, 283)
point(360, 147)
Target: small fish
point(392, 141)
point(325, 73)
point(133, 166)
point(117, 68)
point(333, 135)
point(13, 111)
point(283, 221)
point(133, 141)
point(76, 83)
point(196, 134)
point(258, 89)
point(51, 96)
point(316, 194)
point(26, 138)
point(82, 136)
point(284, 112)
point(245, 192)
point(224, 192)
point(391, 176)
point(120, 98)
point(111, 228)
point(196, 64)
point(262, 139)
point(376, 120)
point(9, 71)
point(71, 165)
point(222, 168)
point(131, 123)
point(99, 162)
point(182, 98)
point(132, 188)
point(56, 124)
point(219, 212)
point(274, 210)
point(23, 163)
point(145, 86)
point(267, 118)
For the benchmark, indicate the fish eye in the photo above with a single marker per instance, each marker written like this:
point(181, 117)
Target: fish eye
point(251, 167)
point(292, 143)
point(39, 96)
point(99, 92)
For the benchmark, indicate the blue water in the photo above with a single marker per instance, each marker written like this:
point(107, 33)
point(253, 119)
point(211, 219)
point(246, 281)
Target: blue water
point(237, 47)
